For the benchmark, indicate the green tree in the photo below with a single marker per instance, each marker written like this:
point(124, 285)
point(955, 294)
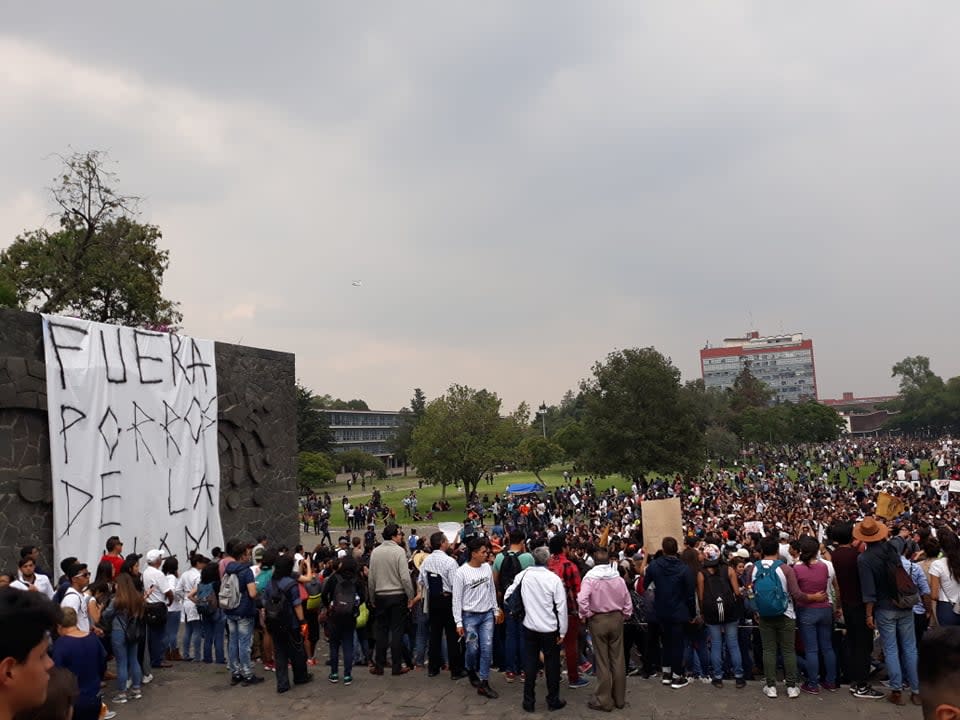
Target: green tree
point(926, 402)
point(720, 443)
point(359, 463)
point(535, 453)
point(327, 402)
point(313, 429)
point(749, 391)
point(572, 440)
point(636, 419)
point(402, 441)
point(100, 264)
point(418, 404)
point(8, 293)
point(462, 437)
point(812, 422)
point(314, 469)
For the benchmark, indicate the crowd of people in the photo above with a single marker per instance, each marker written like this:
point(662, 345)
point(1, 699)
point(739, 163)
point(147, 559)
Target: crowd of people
point(782, 572)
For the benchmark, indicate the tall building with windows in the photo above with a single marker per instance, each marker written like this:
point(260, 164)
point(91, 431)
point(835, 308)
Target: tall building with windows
point(784, 362)
point(367, 430)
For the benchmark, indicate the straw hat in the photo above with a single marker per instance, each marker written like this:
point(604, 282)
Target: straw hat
point(870, 531)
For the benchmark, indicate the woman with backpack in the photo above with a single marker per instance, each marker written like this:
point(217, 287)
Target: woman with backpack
point(284, 621)
point(342, 594)
point(718, 590)
point(815, 617)
point(204, 596)
point(125, 614)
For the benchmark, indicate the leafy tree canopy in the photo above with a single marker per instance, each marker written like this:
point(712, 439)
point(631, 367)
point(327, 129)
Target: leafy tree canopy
point(313, 430)
point(101, 263)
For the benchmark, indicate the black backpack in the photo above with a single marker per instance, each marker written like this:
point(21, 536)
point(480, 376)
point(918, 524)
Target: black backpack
point(720, 605)
point(513, 605)
point(509, 569)
point(344, 603)
point(276, 608)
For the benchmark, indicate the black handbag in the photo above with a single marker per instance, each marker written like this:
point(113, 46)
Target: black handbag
point(156, 614)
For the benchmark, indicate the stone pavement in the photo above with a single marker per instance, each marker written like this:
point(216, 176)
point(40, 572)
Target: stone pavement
point(191, 690)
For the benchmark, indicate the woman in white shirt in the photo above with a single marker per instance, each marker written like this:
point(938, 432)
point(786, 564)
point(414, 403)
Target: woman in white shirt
point(171, 572)
point(945, 578)
point(187, 583)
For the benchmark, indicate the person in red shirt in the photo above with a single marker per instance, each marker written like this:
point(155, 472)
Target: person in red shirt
point(114, 554)
point(567, 571)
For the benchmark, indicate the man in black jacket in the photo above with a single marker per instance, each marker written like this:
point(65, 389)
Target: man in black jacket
point(675, 606)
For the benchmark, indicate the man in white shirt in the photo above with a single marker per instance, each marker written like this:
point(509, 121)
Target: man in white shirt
point(436, 579)
point(187, 583)
point(158, 595)
point(475, 612)
point(75, 598)
point(545, 625)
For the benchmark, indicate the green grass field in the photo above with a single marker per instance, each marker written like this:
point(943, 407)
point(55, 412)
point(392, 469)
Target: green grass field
point(394, 489)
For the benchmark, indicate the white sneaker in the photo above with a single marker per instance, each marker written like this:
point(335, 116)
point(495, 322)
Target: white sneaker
point(147, 679)
point(770, 691)
point(793, 691)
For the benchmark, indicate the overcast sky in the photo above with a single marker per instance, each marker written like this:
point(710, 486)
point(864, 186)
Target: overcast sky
point(521, 187)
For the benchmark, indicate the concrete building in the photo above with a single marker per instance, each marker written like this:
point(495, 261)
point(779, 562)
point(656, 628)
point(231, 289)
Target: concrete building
point(784, 362)
point(367, 430)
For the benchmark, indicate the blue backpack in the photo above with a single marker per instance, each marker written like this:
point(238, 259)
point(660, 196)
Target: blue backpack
point(769, 596)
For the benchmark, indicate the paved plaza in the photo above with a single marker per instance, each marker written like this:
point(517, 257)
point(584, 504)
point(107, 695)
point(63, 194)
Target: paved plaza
point(191, 690)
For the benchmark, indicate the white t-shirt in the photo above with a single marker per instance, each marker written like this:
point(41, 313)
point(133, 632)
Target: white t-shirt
point(185, 585)
point(81, 605)
point(177, 604)
point(155, 584)
point(949, 587)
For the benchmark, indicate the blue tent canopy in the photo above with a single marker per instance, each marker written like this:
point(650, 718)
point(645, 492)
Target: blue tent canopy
point(524, 488)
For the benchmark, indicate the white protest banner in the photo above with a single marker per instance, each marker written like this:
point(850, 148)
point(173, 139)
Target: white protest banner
point(955, 486)
point(574, 500)
point(753, 526)
point(133, 439)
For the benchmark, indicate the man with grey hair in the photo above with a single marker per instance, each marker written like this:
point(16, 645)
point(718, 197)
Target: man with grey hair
point(544, 601)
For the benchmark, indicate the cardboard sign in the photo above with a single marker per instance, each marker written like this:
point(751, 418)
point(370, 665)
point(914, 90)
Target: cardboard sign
point(889, 506)
point(661, 518)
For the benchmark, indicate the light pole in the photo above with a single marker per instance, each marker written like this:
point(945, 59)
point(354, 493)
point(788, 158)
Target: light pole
point(542, 412)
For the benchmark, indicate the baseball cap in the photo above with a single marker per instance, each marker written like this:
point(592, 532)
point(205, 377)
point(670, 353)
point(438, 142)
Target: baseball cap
point(742, 553)
point(154, 555)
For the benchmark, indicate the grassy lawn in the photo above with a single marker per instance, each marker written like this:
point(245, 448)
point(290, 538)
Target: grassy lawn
point(394, 489)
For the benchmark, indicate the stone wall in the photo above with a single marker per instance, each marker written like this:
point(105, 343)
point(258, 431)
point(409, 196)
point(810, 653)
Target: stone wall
point(257, 439)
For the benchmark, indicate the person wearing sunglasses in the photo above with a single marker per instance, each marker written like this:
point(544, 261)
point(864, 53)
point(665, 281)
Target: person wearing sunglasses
point(75, 598)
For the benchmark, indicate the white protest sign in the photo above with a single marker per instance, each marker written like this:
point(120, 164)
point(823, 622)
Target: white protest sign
point(753, 526)
point(955, 486)
point(451, 530)
point(133, 439)
point(574, 500)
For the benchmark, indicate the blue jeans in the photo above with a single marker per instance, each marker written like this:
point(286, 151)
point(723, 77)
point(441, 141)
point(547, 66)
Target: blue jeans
point(128, 667)
point(173, 629)
point(730, 633)
point(239, 645)
point(422, 633)
point(898, 637)
point(513, 653)
point(341, 638)
point(695, 654)
point(212, 628)
point(192, 637)
point(816, 629)
point(478, 640)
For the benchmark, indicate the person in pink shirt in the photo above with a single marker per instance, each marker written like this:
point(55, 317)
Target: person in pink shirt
point(604, 604)
point(815, 616)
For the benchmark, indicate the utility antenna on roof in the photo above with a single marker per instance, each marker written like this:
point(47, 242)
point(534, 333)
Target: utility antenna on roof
point(750, 320)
